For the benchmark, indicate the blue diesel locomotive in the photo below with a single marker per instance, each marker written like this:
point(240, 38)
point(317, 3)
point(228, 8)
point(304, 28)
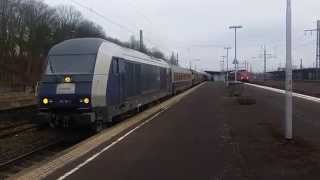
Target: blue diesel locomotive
point(88, 81)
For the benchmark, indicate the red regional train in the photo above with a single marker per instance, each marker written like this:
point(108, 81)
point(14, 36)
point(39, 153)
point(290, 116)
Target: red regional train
point(242, 75)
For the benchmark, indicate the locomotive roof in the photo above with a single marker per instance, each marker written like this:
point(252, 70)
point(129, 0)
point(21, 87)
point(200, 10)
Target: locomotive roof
point(92, 45)
point(77, 46)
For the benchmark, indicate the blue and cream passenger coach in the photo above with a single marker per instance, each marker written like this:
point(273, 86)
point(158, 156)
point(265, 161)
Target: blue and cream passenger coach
point(89, 81)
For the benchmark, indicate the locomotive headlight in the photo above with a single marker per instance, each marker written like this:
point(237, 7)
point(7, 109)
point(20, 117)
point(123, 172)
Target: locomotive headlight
point(67, 79)
point(86, 100)
point(45, 100)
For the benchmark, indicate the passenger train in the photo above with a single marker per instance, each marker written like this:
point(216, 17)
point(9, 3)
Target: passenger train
point(89, 81)
point(242, 75)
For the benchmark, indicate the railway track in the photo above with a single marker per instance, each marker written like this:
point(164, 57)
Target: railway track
point(36, 147)
point(12, 126)
point(22, 161)
point(20, 109)
point(15, 129)
point(24, 143)
point(25, 155)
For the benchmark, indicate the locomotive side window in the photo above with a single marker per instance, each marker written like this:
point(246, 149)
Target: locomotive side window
point(151, 78)
point(121, 66)
point(138, 78)
point(115, 66)
point(163, 79)
point(129, 79)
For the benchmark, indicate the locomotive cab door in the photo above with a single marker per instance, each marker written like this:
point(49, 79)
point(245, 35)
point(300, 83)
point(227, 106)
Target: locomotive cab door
point(122, 74)
point(113, 88)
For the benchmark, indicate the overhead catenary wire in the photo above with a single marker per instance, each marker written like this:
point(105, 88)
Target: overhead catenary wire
point(130, 2)
point(103, 17)
point(121, 26)
point(151, 42)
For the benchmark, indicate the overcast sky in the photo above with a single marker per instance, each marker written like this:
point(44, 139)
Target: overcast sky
point(198, 29)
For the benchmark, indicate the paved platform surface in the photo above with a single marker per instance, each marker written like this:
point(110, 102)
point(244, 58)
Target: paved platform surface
point(208, 135)
point(311, 88)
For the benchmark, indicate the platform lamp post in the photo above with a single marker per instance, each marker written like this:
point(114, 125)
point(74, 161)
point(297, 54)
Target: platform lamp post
point(222, 63)
point(235, 61)
point(222, 67)
point(288, 113)
point(227, 48)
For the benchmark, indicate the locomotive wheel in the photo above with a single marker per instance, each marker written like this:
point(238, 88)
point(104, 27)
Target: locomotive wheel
point(97, 126)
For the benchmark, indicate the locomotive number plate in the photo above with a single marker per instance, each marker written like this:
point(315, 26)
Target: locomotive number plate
point(66, 88)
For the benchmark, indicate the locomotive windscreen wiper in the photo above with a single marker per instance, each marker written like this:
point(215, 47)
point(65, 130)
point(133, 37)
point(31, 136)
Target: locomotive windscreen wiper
point(50, 66)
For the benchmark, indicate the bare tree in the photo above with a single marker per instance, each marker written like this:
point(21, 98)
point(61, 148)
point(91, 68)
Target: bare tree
point(28, 28)
point(157, 53)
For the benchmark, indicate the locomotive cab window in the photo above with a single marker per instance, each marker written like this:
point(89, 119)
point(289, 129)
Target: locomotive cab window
point(71, 64)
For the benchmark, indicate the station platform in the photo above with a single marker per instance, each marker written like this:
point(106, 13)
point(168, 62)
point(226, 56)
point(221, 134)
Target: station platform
point(209, 135)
